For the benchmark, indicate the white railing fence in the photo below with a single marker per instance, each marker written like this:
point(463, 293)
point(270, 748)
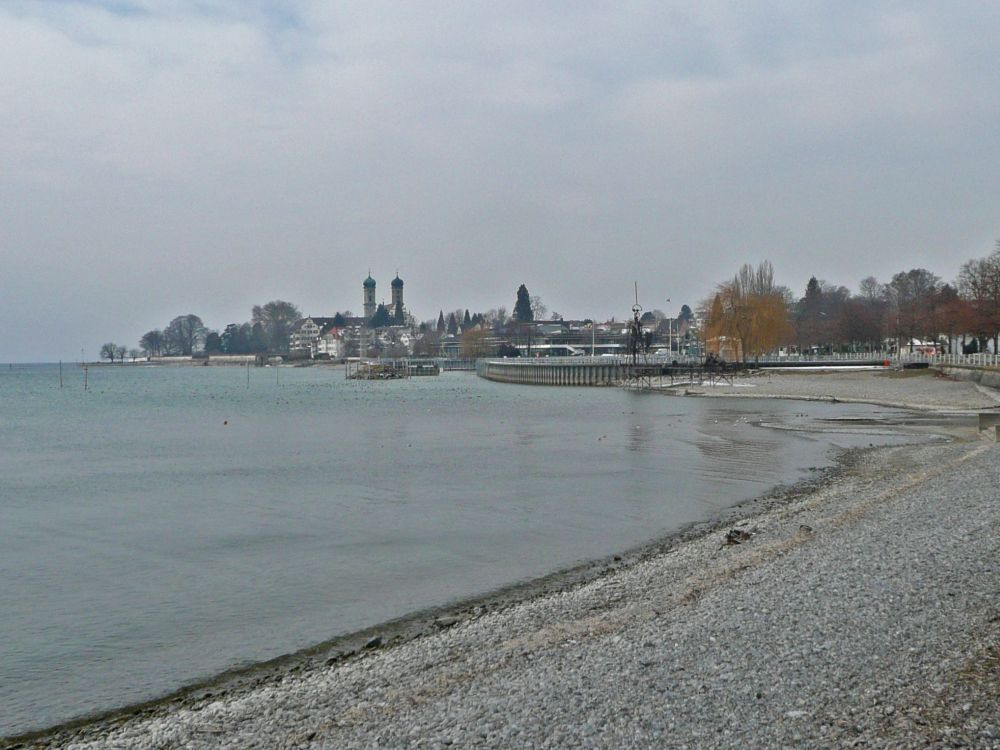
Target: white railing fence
point(985, 359)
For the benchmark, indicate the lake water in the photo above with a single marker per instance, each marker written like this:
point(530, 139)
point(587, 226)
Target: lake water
point(171, 523)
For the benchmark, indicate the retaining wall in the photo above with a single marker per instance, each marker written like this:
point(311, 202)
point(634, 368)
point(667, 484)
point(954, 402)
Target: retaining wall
point(547, 373)
point(987, 376)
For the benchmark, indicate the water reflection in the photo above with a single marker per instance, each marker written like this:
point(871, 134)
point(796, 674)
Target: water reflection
point(735, 448)
point(640, 431)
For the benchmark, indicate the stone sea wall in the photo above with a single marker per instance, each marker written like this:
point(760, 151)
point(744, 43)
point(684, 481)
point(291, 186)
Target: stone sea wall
point(987, 376)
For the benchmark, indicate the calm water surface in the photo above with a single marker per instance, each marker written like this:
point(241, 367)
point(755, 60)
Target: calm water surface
point(145, 543)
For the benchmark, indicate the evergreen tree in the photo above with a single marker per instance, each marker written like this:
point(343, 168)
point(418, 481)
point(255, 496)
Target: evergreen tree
point(228, 337)
point(258, 338)
point(399, 318)
point(452, 324)
point(467, 320)
point(522, 308)
point(381, 318)
point(338, 321)
point(685, 313)
point(440, 325)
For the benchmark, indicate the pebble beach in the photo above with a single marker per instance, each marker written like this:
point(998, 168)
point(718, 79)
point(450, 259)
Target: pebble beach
point(861, 609)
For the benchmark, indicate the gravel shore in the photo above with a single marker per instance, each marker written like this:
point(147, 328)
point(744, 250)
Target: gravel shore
point(863, 611)
point(916, 389)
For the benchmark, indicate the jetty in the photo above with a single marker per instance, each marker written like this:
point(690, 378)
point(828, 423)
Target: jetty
point(390, 369)
point(652, 372)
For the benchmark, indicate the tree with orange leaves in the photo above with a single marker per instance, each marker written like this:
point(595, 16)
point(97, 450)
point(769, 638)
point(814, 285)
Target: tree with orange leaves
point(751, 311)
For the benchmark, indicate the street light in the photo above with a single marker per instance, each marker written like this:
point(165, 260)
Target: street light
point(670, 334)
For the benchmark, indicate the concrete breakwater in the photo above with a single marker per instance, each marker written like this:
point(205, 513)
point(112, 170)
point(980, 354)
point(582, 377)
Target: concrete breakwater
point(650, 373)
point(595, 371)
point(531, 372)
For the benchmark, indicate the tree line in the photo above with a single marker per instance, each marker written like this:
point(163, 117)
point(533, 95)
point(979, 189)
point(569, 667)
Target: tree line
point(913, 306)
point(268, 330)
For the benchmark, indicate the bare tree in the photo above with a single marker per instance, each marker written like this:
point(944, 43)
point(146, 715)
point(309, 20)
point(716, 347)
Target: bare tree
point(538, 307)
point(751, 309)
point(184, 334)
point(277, 318)
point(496, 317)
point(475, 343)
point(979, 283)
point(860, 324)
point(429, 344)
point(913, 295)
point(871, 288)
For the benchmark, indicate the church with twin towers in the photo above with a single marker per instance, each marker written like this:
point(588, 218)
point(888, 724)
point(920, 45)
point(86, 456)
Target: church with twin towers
point(396, 311)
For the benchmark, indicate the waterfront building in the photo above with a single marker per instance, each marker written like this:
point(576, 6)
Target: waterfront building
point(306, 334)
point(332, 344)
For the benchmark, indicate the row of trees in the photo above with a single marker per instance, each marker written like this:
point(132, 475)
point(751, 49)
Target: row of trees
point(267, 330)
point(112, 351)
point(527, 308)
point(914, 307)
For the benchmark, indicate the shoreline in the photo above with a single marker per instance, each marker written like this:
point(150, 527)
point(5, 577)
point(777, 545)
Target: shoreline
point(352, 651)
point(422, 622)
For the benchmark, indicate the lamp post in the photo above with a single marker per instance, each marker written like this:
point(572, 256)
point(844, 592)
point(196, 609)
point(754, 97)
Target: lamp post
point(670, 334)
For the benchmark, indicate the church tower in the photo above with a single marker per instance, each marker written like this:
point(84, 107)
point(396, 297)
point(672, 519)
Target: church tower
point(369, 285)
point(397, 291)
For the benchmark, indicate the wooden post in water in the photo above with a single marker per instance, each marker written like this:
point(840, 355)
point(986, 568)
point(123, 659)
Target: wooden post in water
point(60, 374)
point(85, 369)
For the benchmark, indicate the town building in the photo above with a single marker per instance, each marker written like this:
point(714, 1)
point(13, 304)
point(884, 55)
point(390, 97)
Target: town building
point(306, 334)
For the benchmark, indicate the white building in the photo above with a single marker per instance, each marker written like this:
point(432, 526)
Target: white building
point(331, 344)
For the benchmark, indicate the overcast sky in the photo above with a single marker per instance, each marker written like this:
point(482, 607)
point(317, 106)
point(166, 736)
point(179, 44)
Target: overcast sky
point(203, 156)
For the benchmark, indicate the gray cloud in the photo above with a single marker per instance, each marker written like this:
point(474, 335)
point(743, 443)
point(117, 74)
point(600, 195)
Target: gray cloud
point(164, 158)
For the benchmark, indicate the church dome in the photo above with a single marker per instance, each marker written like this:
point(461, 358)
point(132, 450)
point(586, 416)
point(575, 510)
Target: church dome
point(397, 282)
point(369, 282)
